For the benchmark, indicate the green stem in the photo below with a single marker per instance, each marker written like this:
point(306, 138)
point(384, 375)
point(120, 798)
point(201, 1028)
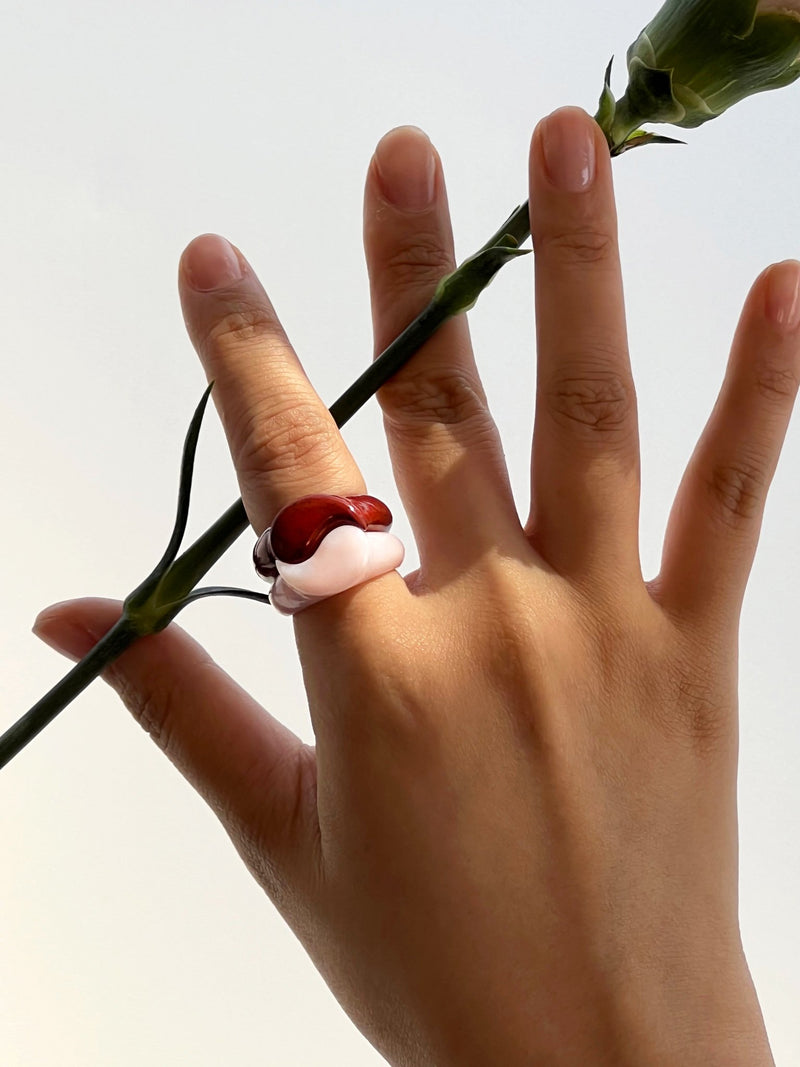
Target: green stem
point(517, 225)
point(120, 637)
point(153, 611)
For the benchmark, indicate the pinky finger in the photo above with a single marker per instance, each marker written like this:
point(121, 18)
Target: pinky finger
point(715, 522)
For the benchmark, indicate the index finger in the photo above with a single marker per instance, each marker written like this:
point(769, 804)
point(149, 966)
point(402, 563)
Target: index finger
point(283, 440)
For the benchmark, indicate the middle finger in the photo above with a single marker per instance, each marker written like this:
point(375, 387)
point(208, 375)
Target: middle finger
point(445, 449)
point(585, 468)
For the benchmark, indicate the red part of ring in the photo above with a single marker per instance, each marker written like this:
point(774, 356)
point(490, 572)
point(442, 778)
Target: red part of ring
point(298, 529)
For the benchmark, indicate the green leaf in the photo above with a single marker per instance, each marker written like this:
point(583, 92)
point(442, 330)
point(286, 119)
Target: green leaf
point(642, 137)
point(209, 591)
point(140, 603)
point(607, 105)
point(459, 291)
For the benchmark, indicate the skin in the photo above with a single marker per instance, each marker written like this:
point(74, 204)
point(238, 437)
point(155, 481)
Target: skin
point(515, 840)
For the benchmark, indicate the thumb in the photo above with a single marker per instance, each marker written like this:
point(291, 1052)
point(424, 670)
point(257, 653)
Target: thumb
point(256, 774)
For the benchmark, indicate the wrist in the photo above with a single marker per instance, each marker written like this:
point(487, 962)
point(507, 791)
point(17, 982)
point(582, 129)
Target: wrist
point(709, 1018)
point(681, 1023)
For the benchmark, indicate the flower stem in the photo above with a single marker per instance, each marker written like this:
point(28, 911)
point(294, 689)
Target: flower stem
point(112, 644)
point(156, 603)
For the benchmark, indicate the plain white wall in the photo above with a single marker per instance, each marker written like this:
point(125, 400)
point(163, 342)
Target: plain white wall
point(129, 931)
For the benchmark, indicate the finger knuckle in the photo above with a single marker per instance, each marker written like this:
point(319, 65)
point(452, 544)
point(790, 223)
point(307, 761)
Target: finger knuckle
point(422, 399)
point(420, 263)
point(736, 491)
point(299, 434)
point(240, 326)
point(777, 384)
point(581, 246)
point(595, 402)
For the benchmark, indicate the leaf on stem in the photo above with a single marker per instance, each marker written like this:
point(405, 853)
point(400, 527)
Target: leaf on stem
point(459, 291)
point(137, 600)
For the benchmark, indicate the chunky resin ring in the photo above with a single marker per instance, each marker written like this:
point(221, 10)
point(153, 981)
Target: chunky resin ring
point(321, 545)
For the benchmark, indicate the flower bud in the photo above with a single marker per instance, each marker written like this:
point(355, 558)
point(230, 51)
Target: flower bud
point(696, 59)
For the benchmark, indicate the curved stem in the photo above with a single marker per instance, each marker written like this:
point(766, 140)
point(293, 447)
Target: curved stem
point(225, 590)
point(156, 602)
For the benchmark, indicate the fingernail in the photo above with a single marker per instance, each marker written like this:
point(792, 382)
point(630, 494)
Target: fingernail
point(210, 262)
point(406, 168)
point(569, 152)
point(783, 295)
point(68, 638)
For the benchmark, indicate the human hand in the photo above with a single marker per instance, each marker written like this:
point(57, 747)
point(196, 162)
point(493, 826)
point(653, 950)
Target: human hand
point(516, 838)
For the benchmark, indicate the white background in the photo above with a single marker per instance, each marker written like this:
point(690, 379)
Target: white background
point(130, 933)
